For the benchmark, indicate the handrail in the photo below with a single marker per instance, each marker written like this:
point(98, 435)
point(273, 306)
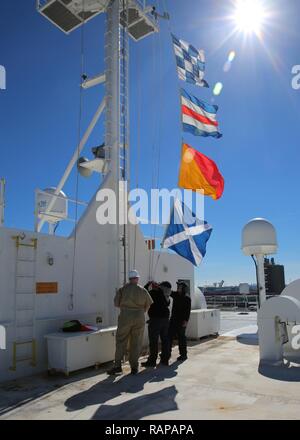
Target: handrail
point(68, 199)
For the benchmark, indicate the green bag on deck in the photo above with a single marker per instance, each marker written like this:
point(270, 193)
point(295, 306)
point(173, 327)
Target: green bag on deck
point(71, 326)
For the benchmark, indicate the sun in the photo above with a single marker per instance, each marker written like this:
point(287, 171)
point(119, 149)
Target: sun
point(249, 16)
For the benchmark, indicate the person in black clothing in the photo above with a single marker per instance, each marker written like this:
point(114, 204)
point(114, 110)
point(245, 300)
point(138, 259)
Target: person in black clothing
point(181, 311)
point(158, 324)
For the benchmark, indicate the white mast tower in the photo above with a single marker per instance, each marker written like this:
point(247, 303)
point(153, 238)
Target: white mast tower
point(125, 18)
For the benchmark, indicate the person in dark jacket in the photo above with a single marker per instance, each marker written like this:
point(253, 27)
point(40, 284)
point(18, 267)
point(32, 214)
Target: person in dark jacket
point(158, 324)
point(180, 316)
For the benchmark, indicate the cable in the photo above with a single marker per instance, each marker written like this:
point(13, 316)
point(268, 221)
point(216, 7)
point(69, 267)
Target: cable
point(155, 113)
point(257, 280)
point(139, 110)
point(125, 122)
point(82, 61)
point(161, 107)
point(56, 227)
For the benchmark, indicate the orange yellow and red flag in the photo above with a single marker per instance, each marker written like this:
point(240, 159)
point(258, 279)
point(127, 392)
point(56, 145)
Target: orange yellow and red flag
point(199, 173)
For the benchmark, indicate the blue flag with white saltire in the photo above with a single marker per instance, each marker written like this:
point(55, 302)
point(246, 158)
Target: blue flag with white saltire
point(190, 62)
point(187, 235)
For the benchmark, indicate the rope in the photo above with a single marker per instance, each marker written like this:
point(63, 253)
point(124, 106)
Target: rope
point(161, 106)
point(82, 62)
point(154, 136)
point(139, 110)
point(125, 122)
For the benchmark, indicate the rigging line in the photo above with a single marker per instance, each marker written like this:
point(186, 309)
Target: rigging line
point(166, 9)
point(165, 5)
point(155, 124)
point(82, 61)
point(155, 144)
point(161, 107)
point(124, 111)
point(156, 265)
point(139, 108)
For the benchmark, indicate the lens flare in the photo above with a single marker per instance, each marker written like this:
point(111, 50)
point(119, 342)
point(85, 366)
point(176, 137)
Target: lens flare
point(231, 56)
point(249, 16)
point(218, 89)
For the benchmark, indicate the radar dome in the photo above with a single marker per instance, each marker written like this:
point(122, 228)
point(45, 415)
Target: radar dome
point(259, 238)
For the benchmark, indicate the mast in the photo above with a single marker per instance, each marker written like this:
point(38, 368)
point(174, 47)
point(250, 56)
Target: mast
point(117, 125)
point(124, 19)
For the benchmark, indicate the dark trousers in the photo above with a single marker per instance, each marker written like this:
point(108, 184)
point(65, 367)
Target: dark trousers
point(158, 328)
point(177, 331)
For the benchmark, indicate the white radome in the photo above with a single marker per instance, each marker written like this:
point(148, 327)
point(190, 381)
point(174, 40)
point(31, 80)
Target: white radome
point(259, 238)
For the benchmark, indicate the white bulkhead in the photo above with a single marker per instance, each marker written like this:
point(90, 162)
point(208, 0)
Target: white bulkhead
point(79, 283)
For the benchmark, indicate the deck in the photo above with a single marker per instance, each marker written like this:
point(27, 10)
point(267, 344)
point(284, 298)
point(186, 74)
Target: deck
point(220, 380)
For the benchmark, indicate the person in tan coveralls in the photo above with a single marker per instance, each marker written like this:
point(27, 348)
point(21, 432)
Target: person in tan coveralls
point(134, 301)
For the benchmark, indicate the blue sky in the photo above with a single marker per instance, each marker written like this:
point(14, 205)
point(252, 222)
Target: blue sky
point(258, 113)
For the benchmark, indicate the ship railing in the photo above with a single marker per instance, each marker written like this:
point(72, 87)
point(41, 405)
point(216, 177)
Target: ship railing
point(41, 3)
point(234, 302)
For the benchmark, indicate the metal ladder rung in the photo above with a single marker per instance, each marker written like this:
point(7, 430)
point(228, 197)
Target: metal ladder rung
point(25, 293)
point(23, 359)
point(27, 245)
point(24, 310)
point(25, 342)
point(25, 260)
point(25, 324)
point(16, 360)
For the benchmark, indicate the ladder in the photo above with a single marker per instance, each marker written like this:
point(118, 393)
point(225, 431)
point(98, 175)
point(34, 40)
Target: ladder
point(24, 345)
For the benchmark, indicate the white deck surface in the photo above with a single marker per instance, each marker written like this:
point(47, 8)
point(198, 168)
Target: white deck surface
point(220, 380)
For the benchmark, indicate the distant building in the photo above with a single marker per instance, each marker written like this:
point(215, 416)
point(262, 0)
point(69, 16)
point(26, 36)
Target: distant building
point(242, 289)
point(243, 296)
point(274, 276)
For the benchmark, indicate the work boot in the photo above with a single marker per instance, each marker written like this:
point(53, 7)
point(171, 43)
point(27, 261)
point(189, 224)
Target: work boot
point(182, 358)
point(148, 364)
point(115, 370)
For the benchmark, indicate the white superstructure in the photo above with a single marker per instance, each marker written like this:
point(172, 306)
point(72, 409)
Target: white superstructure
point(46, 279)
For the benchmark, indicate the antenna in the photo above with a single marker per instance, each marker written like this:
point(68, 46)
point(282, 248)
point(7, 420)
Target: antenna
point(156, 15)
point(259, 239)
point(68, 15)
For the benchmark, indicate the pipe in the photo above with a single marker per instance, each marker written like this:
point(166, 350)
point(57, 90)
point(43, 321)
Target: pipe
point(92, 82)
point(261, 278)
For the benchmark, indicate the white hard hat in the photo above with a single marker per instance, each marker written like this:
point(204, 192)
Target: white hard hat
point(133, 274)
